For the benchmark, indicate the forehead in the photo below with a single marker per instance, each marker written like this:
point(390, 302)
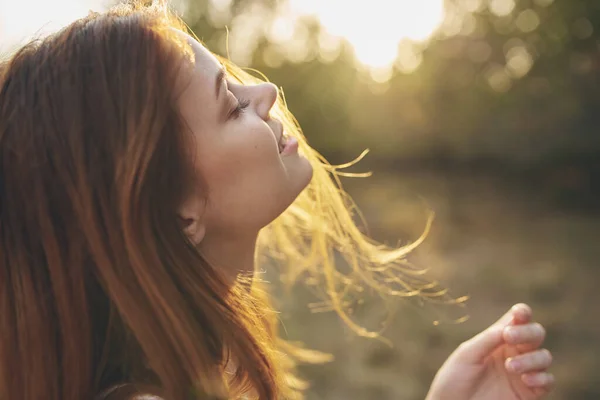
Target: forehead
point(203, 66)
point(204, 60)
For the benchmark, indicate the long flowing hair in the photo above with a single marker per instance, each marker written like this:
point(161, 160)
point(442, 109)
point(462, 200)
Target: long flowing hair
point(99, 288)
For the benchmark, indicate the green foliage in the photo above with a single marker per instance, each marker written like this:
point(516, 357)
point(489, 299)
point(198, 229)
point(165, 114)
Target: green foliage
point(498, 130)
point(463, 102)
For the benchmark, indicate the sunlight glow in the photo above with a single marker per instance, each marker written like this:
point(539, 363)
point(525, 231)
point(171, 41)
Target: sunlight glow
point(376, 28)
point(502, 8)
point(22, 20)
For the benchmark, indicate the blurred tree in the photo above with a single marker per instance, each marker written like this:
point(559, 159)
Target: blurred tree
point(494, 120)
point(502, 83)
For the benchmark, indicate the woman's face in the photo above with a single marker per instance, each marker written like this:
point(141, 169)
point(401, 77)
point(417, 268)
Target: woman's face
point(236, 152)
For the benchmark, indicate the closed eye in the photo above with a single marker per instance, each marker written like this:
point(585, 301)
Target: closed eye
point(242, 104)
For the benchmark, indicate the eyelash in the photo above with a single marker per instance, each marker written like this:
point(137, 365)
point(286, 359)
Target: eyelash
point(239, 109)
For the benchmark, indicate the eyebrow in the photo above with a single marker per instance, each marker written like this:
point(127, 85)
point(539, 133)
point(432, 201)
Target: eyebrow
point(219, 81)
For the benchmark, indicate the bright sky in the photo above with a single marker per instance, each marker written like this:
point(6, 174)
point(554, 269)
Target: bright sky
point(22, 19)
point(375, 27)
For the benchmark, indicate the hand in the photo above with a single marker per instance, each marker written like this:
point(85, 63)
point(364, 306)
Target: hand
point(504, 362)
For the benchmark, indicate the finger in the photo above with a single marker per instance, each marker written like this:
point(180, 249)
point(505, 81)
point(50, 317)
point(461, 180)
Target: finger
point(531, 334)
point(518, 314)
point(476, 349)
point(480, 346)
point(522, 314)
point(538, 360)
point(541, 380)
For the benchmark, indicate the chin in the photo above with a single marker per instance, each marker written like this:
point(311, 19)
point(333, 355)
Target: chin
point(309, 176)
point(298, 179)
point(301, 181)
point(307, 173)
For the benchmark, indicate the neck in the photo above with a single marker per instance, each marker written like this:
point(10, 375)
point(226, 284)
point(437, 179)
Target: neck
point(233, 255)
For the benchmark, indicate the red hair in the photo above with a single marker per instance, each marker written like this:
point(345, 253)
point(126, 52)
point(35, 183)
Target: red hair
point(98, 285)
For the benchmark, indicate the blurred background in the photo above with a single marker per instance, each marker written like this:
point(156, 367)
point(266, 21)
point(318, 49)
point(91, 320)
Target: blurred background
point(485, 111)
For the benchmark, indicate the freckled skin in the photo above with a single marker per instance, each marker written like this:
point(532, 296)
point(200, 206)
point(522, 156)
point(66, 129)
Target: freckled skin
point(248, 182)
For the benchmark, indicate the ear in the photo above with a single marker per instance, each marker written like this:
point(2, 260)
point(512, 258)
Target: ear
point(190, 219)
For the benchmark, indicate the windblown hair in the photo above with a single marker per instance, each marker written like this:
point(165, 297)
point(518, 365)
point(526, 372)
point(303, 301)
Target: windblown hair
point(99, 287)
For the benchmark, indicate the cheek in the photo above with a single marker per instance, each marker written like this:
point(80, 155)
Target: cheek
point(246, 179)
point(246, 157)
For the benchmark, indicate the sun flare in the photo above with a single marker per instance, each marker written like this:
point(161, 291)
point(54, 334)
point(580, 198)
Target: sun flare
point(21, 20)
point(376, 27)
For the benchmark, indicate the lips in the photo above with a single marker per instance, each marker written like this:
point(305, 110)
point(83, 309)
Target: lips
point(282, 142)
point(290, 146)
point(286, 144)
point(283, 138)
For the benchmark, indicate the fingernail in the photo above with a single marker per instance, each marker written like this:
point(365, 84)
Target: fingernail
point(538, 380)
point(511, 334)
point(514, 365)
point(516, 307)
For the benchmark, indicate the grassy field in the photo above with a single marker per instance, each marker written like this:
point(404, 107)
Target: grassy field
point(493, 239)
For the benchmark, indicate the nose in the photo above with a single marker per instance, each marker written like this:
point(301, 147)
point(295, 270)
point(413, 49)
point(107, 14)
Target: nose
point(265, 95)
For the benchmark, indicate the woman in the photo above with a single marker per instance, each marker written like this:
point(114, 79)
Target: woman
point(136, 172)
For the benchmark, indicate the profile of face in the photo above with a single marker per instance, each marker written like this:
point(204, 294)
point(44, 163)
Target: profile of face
point(250, 171)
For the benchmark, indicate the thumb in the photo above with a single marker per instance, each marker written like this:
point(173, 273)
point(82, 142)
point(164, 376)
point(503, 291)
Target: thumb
point(483, 344)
